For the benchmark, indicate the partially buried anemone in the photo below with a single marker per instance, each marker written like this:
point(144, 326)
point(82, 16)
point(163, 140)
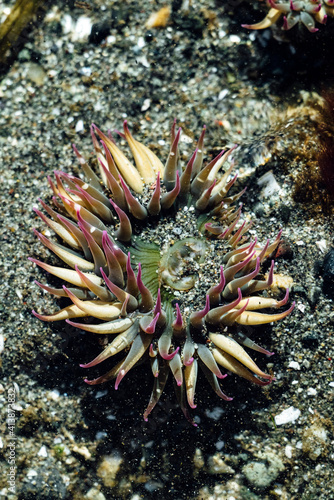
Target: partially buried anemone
point(197, 272)
point(304, 12)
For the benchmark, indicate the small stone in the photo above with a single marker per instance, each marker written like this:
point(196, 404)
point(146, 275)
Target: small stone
point(148, 36)
point(322, 245)
point(158, 19)
point(310, 339)
point(36, 74)
point(287, 416)
point(299, 289)
point(86, 71)
point(259, 210)
point(283, 251)
point(288, 451)
point(24, 55)
point(146, 105)
point(43, 452)
point(215, 413)
point(281, 282)
point(235, 39)
point(285, 212)
point(79, 126)
point(153, 486)
point(314, 295)
point(198, 459)
point(82, 29)
point(307, 364)
point(108, 469)
point(99, 32)
point(262, 475)
point(301, 308)
point(294, 364)
point(269, 185)
point(328, 273)
point(216, 465)
point(315, 441)
point(83, 451)
point(31, 473)
point(94, 494)
point(311, 391)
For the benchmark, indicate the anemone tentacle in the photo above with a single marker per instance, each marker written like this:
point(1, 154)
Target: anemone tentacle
point(306, 12)
point(130, 284)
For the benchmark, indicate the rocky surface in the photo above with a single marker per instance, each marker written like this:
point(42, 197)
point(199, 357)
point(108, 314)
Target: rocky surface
point(97, 62)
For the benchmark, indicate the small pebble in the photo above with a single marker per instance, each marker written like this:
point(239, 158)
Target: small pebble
point(79, 126)
point(294, 364)
point(315, 440)
point(314, 295)
point(99, 32)
point(287, 416)
point(328, 273)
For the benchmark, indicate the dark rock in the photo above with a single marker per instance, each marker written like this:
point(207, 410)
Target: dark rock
point(283, 251)
point(46, 485)
point(310, 339)
point(99, 32)
point(148, 36)
point(313, 295)
point(318, 267)
point(328, 273)
point(285, 213)
point(176, 5)
point(259, 210)
point(192, 23)
point(299, 290)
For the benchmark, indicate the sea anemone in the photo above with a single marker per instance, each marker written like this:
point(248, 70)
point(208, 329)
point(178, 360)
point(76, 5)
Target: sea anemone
point(195, 289)
point(306, 12)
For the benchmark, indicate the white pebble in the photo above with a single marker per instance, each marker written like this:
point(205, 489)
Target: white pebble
point(289, 415)
point(215, 414)
point(288, 451)
point(322, 245)
point(54, 395)
point(31, 473)
point(86, 71)
point(311, 391)
point(294, 364)
point(78, 29)
point(79, 126)
point(141, 42)
point(82, 29)
point(146, 104)
point(223, 93)
point(43, 452)
point(269, 185)
point(301, 307)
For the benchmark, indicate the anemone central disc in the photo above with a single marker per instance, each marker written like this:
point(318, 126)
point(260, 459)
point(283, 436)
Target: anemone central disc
point(179, 264)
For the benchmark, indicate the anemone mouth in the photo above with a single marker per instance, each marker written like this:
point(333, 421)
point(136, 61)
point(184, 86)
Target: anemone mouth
point(161, 256)
point(179, 263)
